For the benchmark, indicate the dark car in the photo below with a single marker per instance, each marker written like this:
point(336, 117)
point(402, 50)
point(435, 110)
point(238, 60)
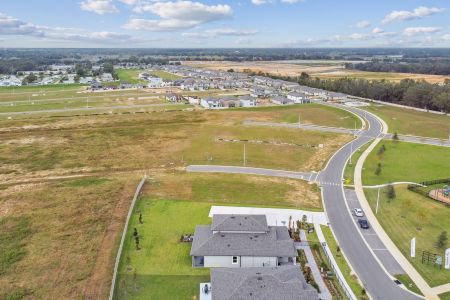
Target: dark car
point(363, 224)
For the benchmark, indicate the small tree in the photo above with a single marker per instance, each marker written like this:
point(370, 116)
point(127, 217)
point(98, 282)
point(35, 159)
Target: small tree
point(381, 150)
point(136, 239)
point(442, 240)
point(135, 232)
point(140, 218)
point(378, 169)
point(395, 136)
point(391, 192)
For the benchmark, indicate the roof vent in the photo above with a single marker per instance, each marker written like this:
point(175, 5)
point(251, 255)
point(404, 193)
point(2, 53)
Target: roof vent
point(222, 235)
point(260, 278)
point(233, 217)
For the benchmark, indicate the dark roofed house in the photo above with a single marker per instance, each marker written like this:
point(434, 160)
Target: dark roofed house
point(285, 282)
point(242, 241)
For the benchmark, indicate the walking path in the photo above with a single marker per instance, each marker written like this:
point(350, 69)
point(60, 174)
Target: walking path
point(254, 171)
point(324, 292)
point(389, 244)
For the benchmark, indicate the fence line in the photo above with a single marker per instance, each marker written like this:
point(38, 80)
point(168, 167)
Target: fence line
point(122, 240)
point(340, 277)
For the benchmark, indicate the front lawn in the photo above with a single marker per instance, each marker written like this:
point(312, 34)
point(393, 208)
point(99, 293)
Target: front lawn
point(403, 161)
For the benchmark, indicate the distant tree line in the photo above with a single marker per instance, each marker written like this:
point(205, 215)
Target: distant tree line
point(434, 67)
point(415, 93)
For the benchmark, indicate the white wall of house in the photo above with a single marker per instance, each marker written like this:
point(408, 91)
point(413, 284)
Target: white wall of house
point(242, 262)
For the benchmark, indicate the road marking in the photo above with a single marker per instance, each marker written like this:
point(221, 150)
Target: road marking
point(380, 249)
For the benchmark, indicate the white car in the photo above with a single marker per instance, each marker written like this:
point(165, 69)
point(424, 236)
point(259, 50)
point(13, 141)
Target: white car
point(358, 212)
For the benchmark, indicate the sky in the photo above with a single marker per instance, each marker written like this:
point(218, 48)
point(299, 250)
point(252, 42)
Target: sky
point(224, 24)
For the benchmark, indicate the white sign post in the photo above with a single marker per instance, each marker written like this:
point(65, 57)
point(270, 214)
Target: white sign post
point(413, 247)
point(447, 259)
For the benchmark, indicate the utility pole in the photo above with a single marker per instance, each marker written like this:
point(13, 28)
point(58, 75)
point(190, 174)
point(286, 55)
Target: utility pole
point(87, 101)
point(245, 156)
point(354, 132)
point(351, 152)
point(378, 201)
point(299, 120)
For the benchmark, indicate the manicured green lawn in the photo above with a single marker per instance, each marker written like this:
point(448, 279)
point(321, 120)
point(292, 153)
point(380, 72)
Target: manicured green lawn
point(445, 296)
point(406, 121)
point(349, 171)
point(161, 256)
point(342, 263)
point(411, 215)
point(406, 280)
point(407, 162)
point(129, 75)
point(165, 75)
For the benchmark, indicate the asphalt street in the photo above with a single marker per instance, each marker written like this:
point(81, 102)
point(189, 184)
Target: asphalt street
point(374, 278)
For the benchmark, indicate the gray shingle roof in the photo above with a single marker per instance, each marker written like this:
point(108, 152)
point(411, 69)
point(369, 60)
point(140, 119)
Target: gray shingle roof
point(251, 223)
point(275, 243)
point(284, 282)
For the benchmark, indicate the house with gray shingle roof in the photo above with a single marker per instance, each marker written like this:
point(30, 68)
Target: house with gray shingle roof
point(285, 282)
point(241, 241)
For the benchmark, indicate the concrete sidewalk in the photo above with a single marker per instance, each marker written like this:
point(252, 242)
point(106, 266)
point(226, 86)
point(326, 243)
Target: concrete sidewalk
point(392, 248)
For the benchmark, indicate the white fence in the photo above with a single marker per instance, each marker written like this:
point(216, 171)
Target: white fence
point(124, 233)
point(339, 276)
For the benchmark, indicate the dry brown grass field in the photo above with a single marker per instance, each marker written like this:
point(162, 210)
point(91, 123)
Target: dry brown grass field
point(321, 69)
point(67, 182)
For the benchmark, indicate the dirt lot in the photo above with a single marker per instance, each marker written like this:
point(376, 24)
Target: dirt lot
point(322, 69)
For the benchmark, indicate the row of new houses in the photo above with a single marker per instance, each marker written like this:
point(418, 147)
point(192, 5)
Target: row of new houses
point(248, 260)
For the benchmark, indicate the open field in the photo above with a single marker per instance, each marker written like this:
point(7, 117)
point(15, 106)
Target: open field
point(445, 296)
point(165, 75)
point(51, 227)
point(406, 162)
point(407, 121)
point(326, 69)
point(129, 75)
point(246, 190)
point(307, 113)
point(57, 217)
point(411, 215)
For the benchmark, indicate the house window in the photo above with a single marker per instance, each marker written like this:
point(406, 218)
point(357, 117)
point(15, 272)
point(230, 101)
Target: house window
point(235, 260)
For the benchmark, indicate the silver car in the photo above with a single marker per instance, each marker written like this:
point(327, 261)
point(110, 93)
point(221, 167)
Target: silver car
point(358, 212)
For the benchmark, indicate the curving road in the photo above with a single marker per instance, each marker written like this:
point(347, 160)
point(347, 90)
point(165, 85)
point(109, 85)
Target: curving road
point(363, 261)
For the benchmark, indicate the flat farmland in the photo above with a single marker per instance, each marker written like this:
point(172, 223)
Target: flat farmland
point(326, 69)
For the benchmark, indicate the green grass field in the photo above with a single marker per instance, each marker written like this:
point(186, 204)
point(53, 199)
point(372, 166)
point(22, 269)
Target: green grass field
point(130, 75)
point(246, 190)
point(349, 171)
point(165, 75)
point(161, 254)
point(445, 296)
point(406, 121)
point(411, 215)
point(408, 283)
point(406, 162)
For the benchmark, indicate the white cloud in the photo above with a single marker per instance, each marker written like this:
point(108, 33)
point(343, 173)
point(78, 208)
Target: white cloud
point(417, 13)
point(446, 37)
point(177, 15)
point(213, 33)
point(130, 2)
point(99, 6)
point(363, 24)
point(261, 2)
point(377, 30)
point(13, 26)
point(412, 31)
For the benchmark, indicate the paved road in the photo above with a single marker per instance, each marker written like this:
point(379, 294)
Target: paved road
point(359, 132)
point(254, 171)
point(377, 282)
